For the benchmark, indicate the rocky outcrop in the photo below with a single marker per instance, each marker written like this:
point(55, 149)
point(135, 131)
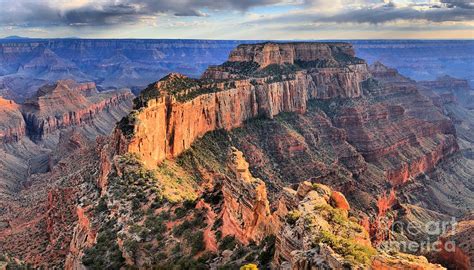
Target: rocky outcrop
point(447, 89)
point(403, 261)
point(307, 225)
point(316, 235)
point(246, 209)
point(447, 83)
point(456, 246)
point(387, 74)
point(394, 123)
point(289, 53)
point(12, 125)
point(66, 104)
point(175, 111)
point(83, 237)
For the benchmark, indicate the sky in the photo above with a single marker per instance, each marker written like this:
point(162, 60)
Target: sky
point(239, 19)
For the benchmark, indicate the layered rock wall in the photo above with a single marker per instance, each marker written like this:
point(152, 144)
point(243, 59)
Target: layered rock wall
point(12, 125)
point(167, 125)
point(66, 104)
point(288, 53)
point(246, 209)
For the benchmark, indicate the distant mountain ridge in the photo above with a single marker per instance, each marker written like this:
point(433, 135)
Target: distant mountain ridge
point(28, 63)
point(14, 37)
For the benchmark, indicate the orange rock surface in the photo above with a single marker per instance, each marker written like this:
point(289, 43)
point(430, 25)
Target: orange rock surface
point(12, 125)
point(167, 126)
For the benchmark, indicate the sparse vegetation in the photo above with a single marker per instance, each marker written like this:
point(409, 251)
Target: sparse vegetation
point(268, 251)
point(105, 254)
point(292, 217)
point(227, 243)
point(350, 249)
point(127, 124)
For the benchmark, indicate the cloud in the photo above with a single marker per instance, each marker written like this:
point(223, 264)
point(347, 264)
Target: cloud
point(466, 4)
point(111, 12)
point(225, 18)
point(391, 12)
point(376, 13)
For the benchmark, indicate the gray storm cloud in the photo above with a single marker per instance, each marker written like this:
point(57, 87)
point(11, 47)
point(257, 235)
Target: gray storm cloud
point(37, 13)
point(30, 13)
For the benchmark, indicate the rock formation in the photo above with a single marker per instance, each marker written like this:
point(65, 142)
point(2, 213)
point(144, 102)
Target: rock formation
point(251, 163)
point(290, 53)
point(446, 89)
point(66, 104)
point(12, 124)
point(175, 111)
point(456, 246)
point(32, 133)
point(25, 65)
point(246, 210)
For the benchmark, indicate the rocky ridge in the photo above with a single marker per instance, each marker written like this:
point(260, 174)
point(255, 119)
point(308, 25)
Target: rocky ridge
point(32, 132)
point(58, 106)
point(194, 107)
point(398, 133)
point(12, 124)
point(206, 204)
point(66, 104)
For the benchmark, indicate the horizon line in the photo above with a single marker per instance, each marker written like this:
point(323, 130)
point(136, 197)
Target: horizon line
point(12, 38)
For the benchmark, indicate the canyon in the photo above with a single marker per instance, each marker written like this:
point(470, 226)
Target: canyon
point(27, 64)
point(31, 132)
point(288, 155)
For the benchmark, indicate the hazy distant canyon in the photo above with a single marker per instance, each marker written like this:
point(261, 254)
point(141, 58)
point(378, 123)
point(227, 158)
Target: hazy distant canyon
point(27, 64)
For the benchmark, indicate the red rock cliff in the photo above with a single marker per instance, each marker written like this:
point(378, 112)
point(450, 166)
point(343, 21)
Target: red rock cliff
point(12, 125)
point(175, 111)
point(65, 104)
point(288, 53)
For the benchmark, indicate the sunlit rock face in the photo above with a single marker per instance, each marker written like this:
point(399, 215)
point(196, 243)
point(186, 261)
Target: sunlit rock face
point(184, 109)
point(67, 103)
point(12, 124)
point(238, 158)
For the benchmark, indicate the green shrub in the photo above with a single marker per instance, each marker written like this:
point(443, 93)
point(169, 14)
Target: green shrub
point(180, 212)
point(197, 242)
point(293, 216)
point(348, 248)
point(106, 253)
point(268, 250)
point(228, 243)
point(102, 205)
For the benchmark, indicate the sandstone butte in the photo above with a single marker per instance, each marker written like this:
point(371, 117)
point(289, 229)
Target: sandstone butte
point(264, 80)
point(257, 81)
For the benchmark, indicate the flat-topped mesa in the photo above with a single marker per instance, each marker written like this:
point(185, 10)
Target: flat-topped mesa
point(12, 125)
point(173, 112)
point(67, 103)
point(447, 83)
point(266, 54)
